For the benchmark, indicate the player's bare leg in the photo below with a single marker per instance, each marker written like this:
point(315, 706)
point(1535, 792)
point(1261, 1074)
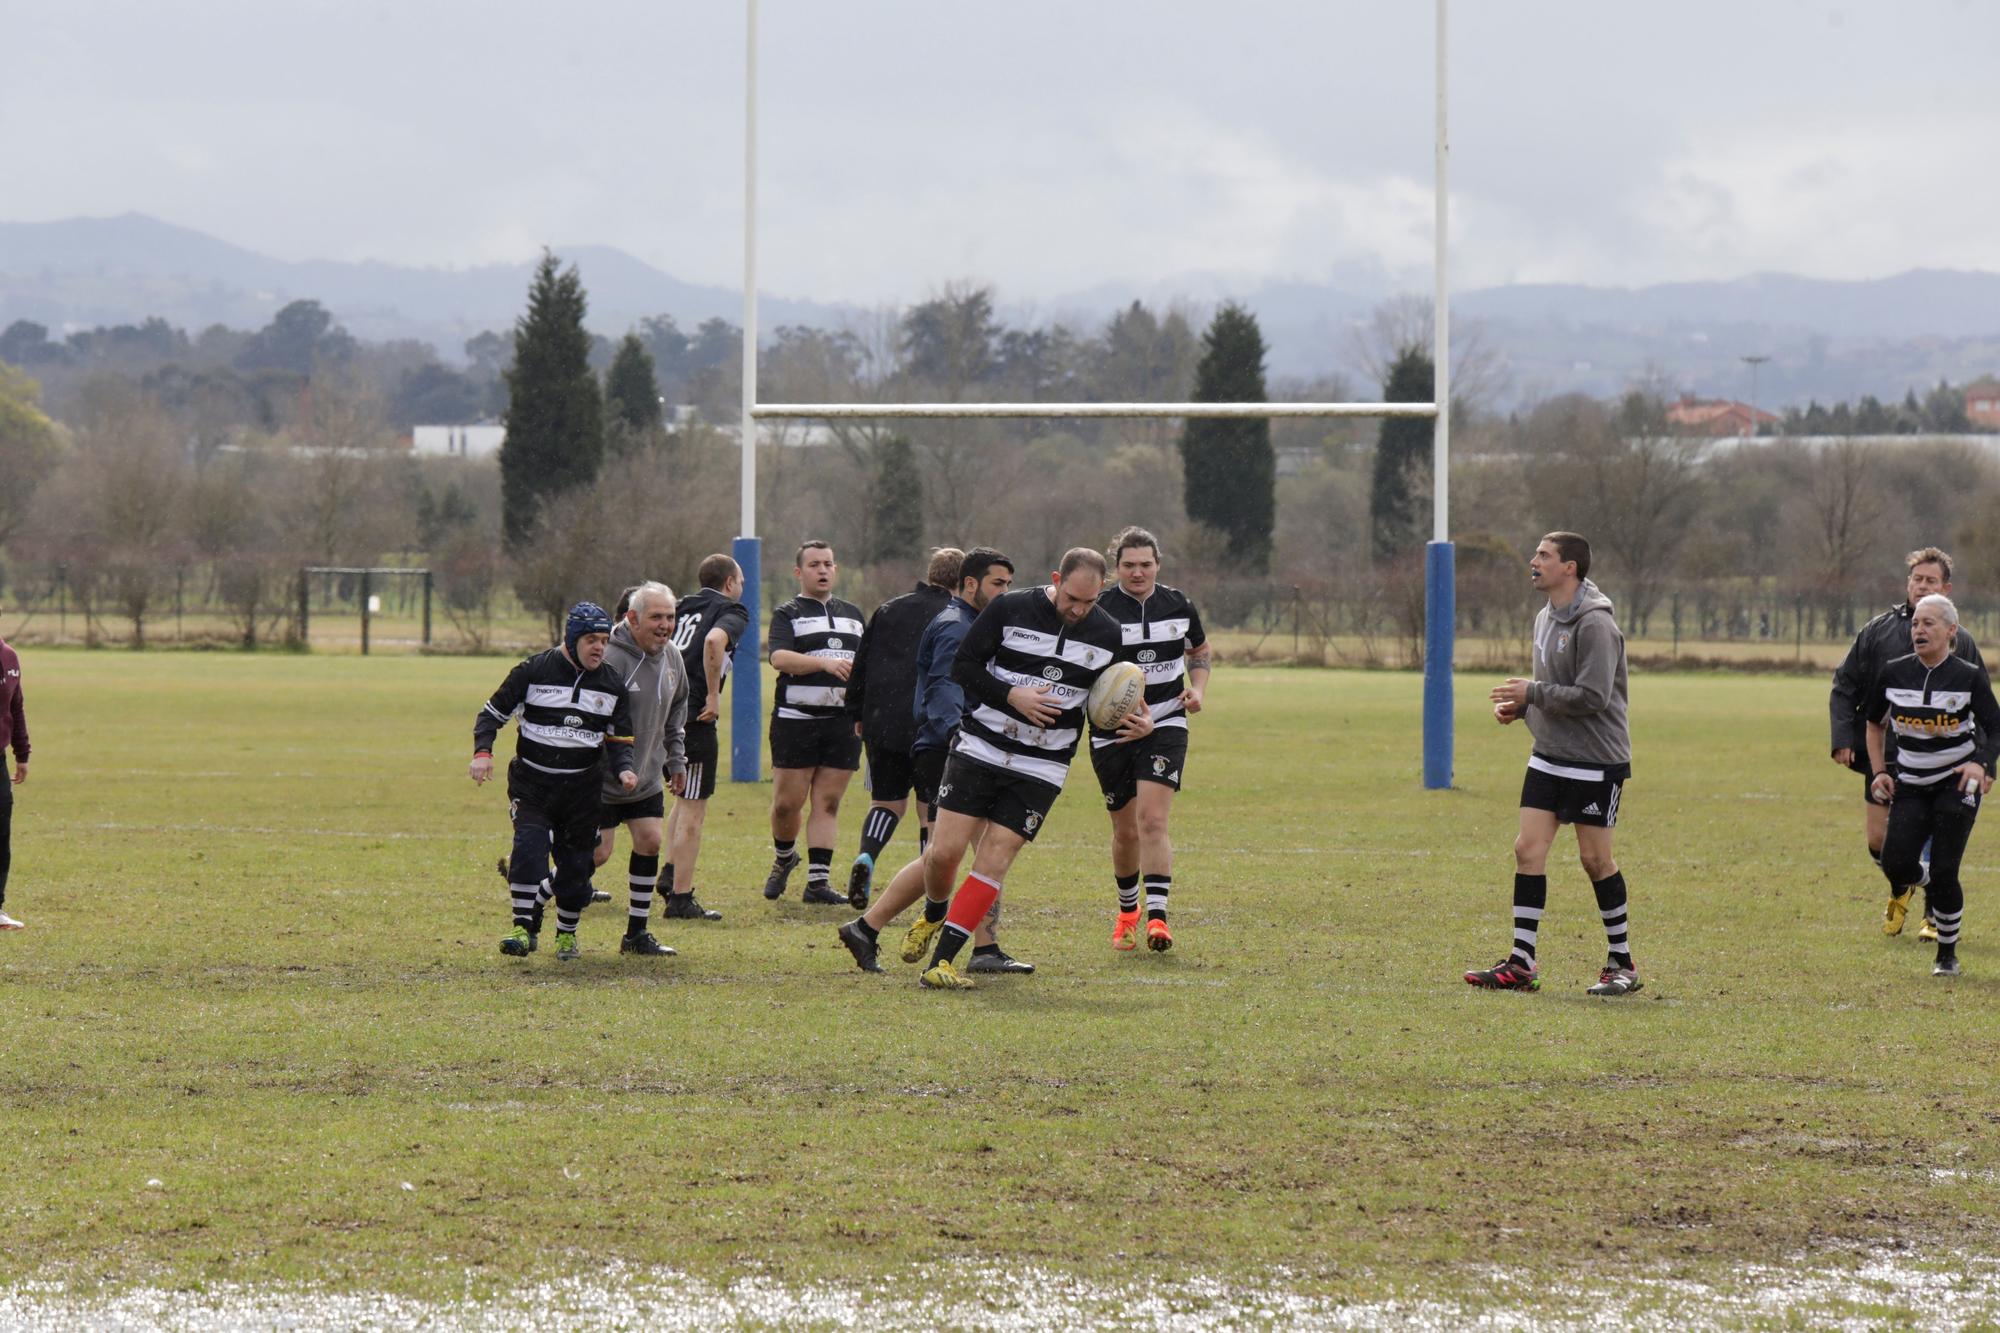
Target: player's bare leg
point(827, 787)
point(791, 788)
point(1518, 970)
point(905, 887)
point(1593, 847)
point(684, 844)
point(1151, 807)
point(877, 827)
point(975, 900)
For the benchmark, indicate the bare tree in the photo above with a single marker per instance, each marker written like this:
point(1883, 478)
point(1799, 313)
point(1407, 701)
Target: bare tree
point(1624, 480)
point(1478, 369)
point(1843, 505)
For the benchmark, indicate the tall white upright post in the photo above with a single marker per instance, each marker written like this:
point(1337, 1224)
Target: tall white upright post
point(1440, 561)
point(745, 757)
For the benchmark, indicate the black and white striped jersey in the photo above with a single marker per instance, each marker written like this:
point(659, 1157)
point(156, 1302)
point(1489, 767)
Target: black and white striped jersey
point(707, 609)
point(569, 717)
point(1020, 639)
point(818, 629)
point(1941, 716)
point(1156, 634)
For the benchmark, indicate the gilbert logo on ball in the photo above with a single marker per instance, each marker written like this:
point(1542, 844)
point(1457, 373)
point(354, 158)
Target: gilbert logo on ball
point(1116, 695)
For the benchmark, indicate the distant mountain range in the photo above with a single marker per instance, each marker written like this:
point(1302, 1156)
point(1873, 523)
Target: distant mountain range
point(1827, 340)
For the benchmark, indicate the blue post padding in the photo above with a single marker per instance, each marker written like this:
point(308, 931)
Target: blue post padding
point(1440, 619)
point(746, 732)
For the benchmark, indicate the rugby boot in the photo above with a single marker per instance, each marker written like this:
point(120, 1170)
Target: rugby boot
point(1946, 965)
point(566, 947)
point(1001, 962)
point(9, 923)
point(518, 943)
point(1125, 931)
point(643, 943)
point(941, 975)
point(1158, 938)
point(859, 880)
point(1507, 974)
point(1615, 981)
point(921, 936)
point(781, 870)
point(684, 907)
point(1928, 931)
point(864, 949)
point(600, 895)
point(822, 895)
point(1898, 908)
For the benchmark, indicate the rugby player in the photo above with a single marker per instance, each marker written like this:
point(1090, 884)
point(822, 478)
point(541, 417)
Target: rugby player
point(814, 750)
point(706, 631)
point(1161, 631)
point(14, 733)
point(1582, 756)
point(1026, 666)
point(1947, 727)
point(938, 706)
point(1927, 571)
point(655, 683)
point(573, 713)
point(880, 695)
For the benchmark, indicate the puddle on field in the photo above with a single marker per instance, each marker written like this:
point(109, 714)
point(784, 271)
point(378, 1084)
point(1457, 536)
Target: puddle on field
point(1950, 1290)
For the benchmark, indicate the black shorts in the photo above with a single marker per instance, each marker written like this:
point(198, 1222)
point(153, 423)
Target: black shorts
point(819, 742)
point(985, 792)
point(1123, 765)
point(926, 772)
point(891, 773)
point(564, 809)
point(613, 813)
point(701, 754)
point(1579, 794)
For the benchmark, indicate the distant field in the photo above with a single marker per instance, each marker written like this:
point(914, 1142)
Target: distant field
point(261, 972)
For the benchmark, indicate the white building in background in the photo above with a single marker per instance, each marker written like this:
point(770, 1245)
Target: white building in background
point(457, 441)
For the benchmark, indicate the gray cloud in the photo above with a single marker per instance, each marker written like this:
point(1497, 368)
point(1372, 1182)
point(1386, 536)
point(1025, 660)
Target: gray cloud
point(1043, 146)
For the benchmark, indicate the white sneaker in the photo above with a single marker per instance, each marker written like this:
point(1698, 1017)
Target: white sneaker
point(9, 923)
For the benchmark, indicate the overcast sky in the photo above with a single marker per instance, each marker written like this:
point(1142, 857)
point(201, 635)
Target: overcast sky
point(1045, 146)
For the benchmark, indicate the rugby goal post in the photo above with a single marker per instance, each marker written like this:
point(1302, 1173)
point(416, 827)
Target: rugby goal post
point(1440, 607)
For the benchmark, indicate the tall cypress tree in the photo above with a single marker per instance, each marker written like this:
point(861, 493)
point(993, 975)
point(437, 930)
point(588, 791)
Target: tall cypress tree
point(898, 494)
point(555, 417)
point(631, 390)
point(1402, 459)
point(1228, 468)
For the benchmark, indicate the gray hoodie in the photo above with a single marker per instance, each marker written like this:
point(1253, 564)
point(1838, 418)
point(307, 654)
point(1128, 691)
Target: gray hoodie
point(1576, 706)
point(656, 691)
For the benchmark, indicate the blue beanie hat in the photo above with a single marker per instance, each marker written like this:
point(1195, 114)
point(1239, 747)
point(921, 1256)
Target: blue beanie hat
point(584, 618)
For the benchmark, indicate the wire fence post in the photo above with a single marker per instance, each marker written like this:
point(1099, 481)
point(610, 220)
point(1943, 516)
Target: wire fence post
point(427, 608)
point(367, 582)
point(305, 609)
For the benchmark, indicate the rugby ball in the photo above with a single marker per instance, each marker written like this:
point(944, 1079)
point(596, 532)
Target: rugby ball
point(1115, 694)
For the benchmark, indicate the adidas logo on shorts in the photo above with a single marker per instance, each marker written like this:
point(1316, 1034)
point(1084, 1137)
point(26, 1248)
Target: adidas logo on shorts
point(1592, 809)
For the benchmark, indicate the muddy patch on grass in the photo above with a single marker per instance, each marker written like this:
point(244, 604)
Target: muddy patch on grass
point(1940, 1290)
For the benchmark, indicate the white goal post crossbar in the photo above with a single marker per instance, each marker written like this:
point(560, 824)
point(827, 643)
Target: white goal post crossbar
point(1058, 411)
point(1440, 597)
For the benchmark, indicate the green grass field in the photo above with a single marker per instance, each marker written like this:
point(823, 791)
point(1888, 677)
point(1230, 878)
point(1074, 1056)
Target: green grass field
point(261, 972)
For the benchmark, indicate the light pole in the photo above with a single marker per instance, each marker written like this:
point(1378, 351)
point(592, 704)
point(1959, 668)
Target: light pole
point(1753, 362)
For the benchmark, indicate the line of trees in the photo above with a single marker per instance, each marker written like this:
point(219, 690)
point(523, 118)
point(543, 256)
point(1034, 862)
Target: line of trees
point(286, 452)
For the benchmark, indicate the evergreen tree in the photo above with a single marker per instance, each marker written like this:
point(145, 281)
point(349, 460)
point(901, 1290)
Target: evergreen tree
point(555, 418)
point(897, 524)
point(1402, 458)
point(632, 398)
point(1228, 468)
